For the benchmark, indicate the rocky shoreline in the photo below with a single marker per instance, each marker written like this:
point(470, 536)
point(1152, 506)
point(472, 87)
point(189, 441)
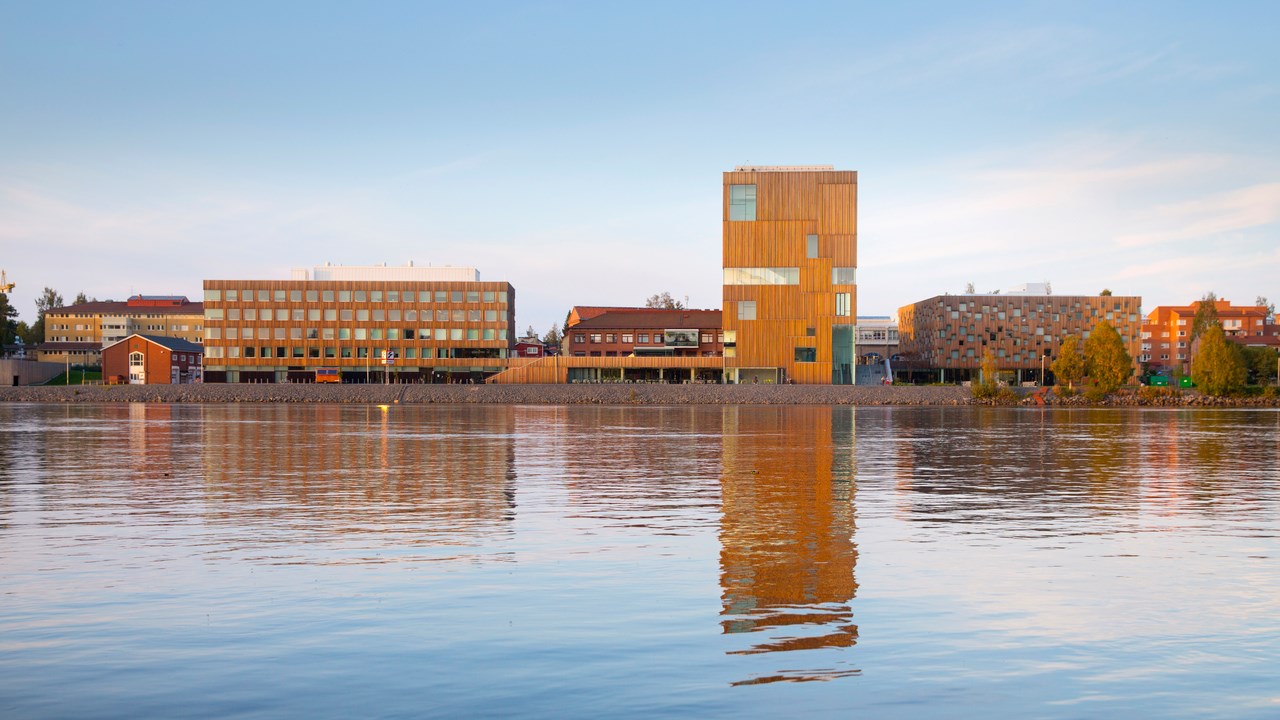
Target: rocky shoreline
point(597, 395)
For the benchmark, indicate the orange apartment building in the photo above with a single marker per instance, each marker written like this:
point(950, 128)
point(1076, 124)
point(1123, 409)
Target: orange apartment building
point(949, 334)
point(1166, 332)
point(790, 239)
point(369, 324)
point(77, 333)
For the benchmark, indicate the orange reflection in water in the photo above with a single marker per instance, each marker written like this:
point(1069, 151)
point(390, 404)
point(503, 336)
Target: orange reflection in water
point(788, 556)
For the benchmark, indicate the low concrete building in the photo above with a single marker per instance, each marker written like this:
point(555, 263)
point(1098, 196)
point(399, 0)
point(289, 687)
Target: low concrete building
point(152, 360)
point(15, 371)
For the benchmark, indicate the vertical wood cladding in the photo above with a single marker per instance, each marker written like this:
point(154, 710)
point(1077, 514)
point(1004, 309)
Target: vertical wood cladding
point(954, 331)
point(791, 206)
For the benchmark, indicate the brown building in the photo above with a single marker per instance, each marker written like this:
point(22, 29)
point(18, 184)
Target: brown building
point(369, 324)
point(643, 332)
point(790, 257)
point(77, 333)
point(1166, 333)
point(152, 360)
point(945, 337)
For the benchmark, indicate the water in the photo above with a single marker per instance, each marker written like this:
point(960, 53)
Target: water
point(460, 561)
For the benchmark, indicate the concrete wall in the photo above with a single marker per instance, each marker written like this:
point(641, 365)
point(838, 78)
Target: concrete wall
point(28, 372)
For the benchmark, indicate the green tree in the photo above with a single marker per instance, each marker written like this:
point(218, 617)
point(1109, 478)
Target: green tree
point(8, 321)
point(663, 301)
point(1105, 358)
point(1262, 301)
point(1206, 315)
point(47, 300)
point(986, 385)
point(81, 299)
point(1260, 362)
point(1218, 367)
point(1105, 292)
point(1069, 367)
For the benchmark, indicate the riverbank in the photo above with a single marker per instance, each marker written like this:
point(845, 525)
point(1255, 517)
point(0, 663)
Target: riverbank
point(497, 394)
point(907, 395)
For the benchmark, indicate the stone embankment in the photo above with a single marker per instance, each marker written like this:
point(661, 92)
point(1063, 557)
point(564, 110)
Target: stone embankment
point(498, 394)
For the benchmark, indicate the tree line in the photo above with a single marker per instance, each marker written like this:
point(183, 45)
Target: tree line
point(12, 329)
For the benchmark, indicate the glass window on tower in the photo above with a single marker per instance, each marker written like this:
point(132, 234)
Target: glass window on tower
point(742, 202)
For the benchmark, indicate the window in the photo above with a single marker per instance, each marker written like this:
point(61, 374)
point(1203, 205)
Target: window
point(279, 333)
point(847, 276)
point(610, 338)
point(213, 313)
point(250, 314)
point(707, 337)
point(488, 296)
point(135, 359)
point(375, 296)
point(473, 315)
point(295, 296)
point(263, 295)
point(843, 302)
point(762, 276)
point(491, 316)
point(742, 202)
point(393, 315)
point(459, 316)
point(442, 296)
point(282, 314)
point(473, 296)
point(746, 309)
point(455, 333)
point(455, 296)
point(579, 338)
point(212, 295)
point(379, 315)
point(344, 296)
point(393, 296)
point(595, 337)
point(346, 315)
point(407, 296)
point(330, 314)
point(806, 354)
point(473, 334)
point(442, 334)
point(278, 296)
point(811, 246)
point(628, 338)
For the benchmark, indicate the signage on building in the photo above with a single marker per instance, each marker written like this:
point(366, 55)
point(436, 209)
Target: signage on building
point(389, 358)
point(680, 338)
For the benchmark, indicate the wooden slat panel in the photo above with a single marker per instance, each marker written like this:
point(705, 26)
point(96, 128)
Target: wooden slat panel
point(837, 209)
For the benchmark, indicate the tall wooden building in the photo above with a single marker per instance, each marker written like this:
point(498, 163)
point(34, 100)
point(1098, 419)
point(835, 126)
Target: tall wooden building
point(790, 256)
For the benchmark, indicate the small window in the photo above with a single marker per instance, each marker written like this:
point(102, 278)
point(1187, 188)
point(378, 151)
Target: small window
point(278, 295)
point(295, 296)
point(746, 309)
point(806, 354)
point(811, 246)
point(742, 202)
point(847, 276)
point(212, 295)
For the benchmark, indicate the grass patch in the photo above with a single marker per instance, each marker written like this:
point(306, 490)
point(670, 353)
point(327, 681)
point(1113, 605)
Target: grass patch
point(91, 377)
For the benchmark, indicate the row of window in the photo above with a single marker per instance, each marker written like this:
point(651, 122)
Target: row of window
point(329, 333)
point(347, 353)
point(783, 276)
point(843, 307)
point(360, 296)
point(351, 314)
point(637, 338)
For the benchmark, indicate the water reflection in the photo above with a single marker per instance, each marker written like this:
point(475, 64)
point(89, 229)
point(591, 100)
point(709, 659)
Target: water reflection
point(399, 476)
point(788, 556)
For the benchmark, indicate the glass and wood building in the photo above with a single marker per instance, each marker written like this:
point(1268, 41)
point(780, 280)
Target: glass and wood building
point(371, 324)
point(790, 245)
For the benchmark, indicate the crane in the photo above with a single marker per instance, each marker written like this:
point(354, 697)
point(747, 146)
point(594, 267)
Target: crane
point(5, 285)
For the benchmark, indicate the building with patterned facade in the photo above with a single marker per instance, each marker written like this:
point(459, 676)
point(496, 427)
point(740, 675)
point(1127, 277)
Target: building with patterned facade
point(946, 336)
point(790, 238)
point(77, 333)
point(359, 324)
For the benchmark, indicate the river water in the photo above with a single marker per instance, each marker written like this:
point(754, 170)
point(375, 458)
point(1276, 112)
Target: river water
point(477, 561)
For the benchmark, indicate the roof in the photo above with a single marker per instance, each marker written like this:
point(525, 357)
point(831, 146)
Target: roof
point(115, 307)
point(653, 319)
point(169, 343)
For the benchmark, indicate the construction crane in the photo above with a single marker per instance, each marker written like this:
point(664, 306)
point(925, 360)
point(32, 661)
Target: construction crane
point(5, 285)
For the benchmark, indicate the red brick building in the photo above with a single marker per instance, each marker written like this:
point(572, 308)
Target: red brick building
point(152, 360)
point(622, 332)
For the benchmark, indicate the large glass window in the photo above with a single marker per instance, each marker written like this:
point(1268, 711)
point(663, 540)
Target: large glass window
point(843, 275)
point(746, 309)
point(742, 202)
point(762, 276)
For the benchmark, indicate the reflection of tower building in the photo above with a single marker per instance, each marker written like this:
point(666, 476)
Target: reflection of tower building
point(788, 556)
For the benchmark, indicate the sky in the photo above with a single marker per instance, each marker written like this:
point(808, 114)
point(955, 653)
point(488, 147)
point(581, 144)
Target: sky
point(576, 149)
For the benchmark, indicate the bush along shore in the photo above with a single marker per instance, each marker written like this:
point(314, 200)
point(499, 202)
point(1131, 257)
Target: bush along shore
point(902, 395)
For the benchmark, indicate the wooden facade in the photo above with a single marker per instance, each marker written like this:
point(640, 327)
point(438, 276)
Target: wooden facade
point(801, 332)
point(560, 369)
point(437, 330)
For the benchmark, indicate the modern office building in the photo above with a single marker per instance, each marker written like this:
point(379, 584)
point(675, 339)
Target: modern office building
point(359, 324)
point(1166, 333)
point(790, 243)
point(945, 337)
point(77, 333)
point(643, 332)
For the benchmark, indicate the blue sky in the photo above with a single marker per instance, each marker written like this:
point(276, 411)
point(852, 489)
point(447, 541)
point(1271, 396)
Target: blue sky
point(575, 149)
